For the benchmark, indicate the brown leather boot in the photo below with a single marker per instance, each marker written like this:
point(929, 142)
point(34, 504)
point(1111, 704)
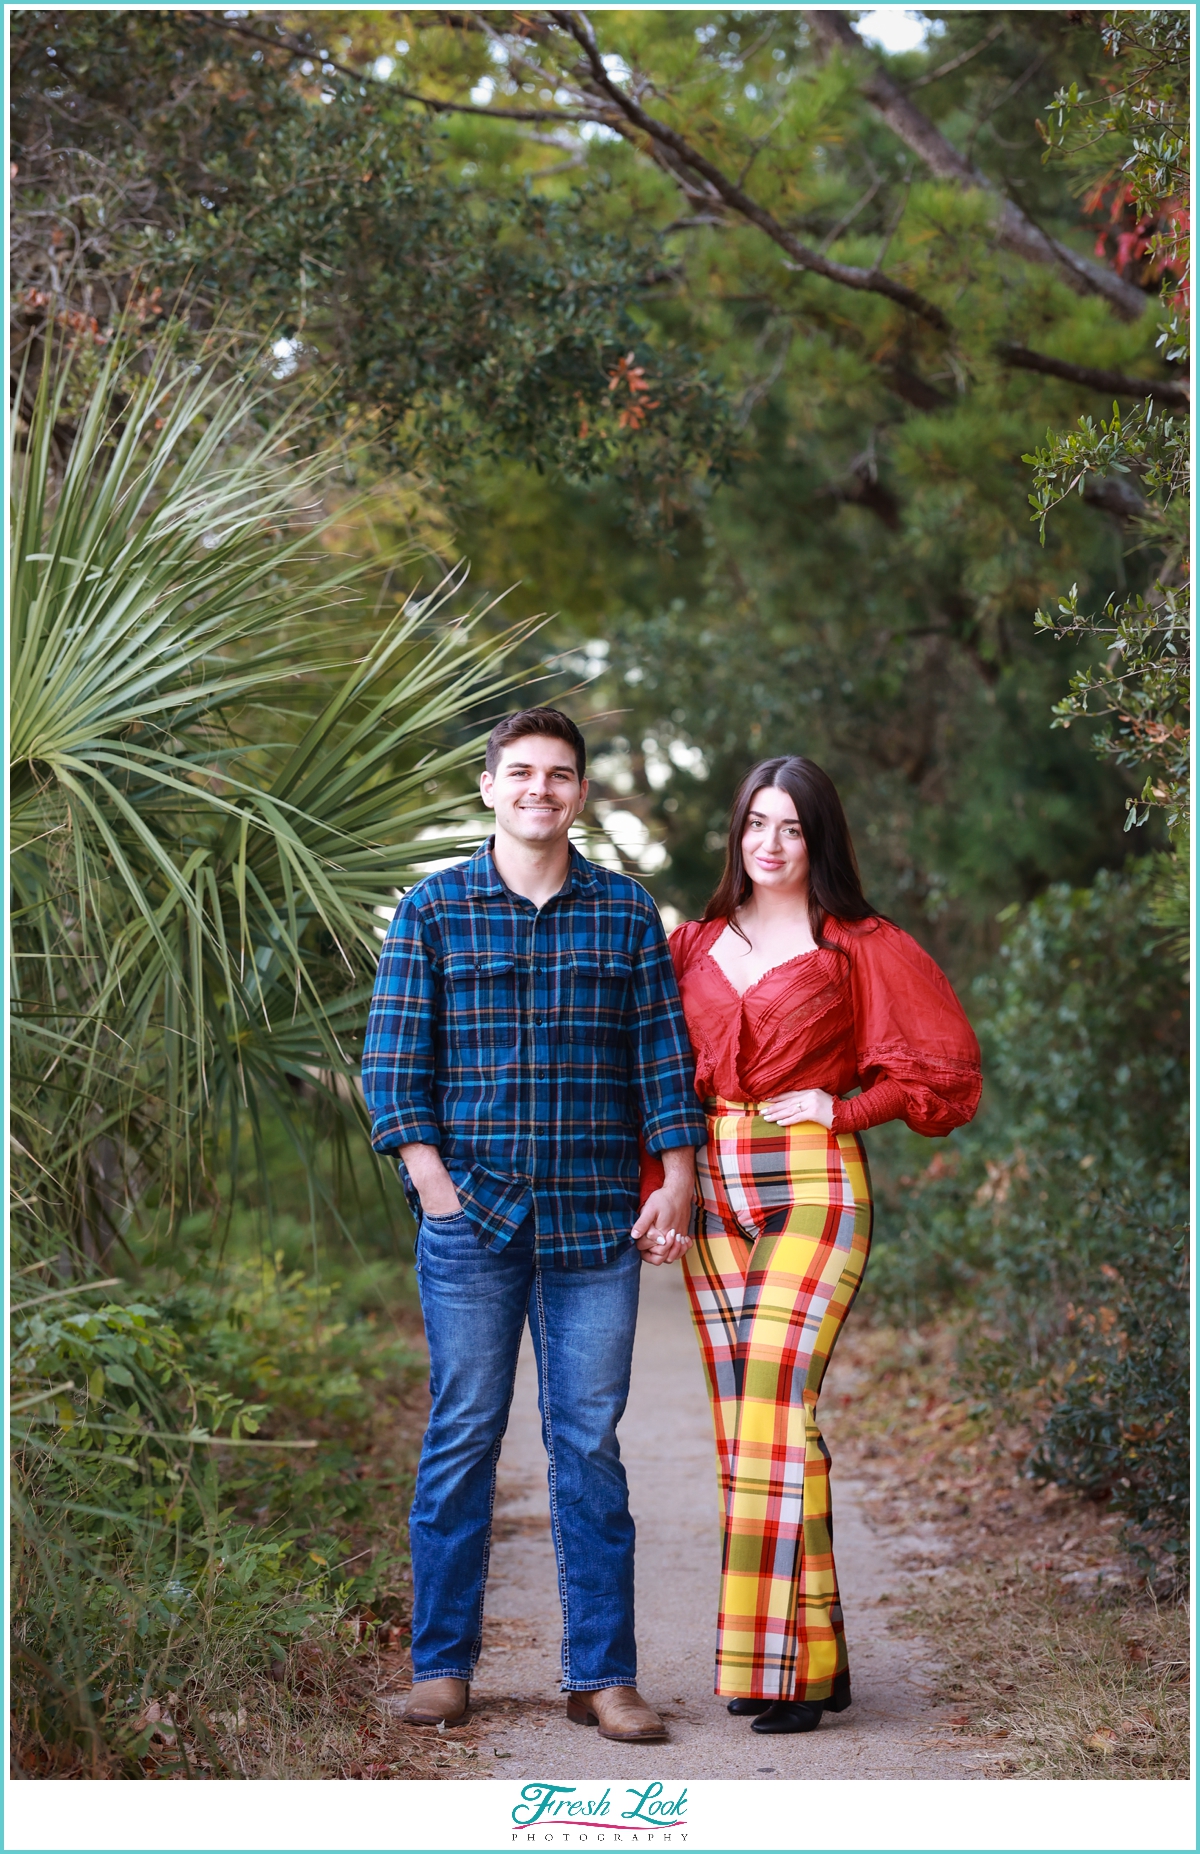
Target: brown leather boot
point(620, 1712)
point(437, 1702)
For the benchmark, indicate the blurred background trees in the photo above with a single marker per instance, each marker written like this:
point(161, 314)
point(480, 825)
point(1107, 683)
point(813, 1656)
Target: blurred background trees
point(831, 400)
point(526, 296)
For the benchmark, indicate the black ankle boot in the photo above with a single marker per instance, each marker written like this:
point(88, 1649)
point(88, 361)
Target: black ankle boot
point(745, 1708)
point(799, 1715)
point(790, 1716)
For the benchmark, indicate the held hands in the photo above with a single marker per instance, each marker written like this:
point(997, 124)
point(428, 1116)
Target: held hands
point(661, 1229)
point(788, 1110)
point(661, 1244)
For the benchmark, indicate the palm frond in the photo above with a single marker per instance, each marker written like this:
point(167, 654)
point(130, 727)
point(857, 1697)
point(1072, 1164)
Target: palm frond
point(199, 867)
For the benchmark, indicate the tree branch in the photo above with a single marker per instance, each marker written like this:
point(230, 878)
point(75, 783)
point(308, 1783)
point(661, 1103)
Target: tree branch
point(1017, 232)
point(956, 64)
point(679, 150)
point(1170, 392)
point(295, 48)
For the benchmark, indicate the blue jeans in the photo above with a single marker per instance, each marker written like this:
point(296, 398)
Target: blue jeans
point(475, 1305)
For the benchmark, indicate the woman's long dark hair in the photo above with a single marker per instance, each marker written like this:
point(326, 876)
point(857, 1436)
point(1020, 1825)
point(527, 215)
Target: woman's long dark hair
point(834, 884)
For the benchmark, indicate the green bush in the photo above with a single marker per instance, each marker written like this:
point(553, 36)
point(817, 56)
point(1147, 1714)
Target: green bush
point(148, 1555)
point(1057, 1217)
point(1121, 1427)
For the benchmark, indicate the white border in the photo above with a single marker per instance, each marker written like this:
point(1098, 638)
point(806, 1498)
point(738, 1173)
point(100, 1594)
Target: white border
point(460, 1816)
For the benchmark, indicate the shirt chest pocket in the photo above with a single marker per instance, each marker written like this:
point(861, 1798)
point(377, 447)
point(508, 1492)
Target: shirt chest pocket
point(600, 998)
point(481, 998)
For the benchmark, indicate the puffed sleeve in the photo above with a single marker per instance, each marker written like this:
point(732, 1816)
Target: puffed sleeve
point(682, 941)
point(918, 1057)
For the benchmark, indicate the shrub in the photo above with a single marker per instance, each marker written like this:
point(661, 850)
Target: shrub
point(1056, 1218)
point(145, 1557)
point(1121, 1427)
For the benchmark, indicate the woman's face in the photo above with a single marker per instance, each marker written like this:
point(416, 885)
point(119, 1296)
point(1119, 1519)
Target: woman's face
point(773, 847)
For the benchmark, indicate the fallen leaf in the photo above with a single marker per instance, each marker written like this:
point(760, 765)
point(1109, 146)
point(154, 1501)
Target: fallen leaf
point(1105, 1741)
point(160, 1719)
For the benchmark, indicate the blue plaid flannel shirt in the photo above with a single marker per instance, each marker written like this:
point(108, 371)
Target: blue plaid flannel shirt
point(532, 1046)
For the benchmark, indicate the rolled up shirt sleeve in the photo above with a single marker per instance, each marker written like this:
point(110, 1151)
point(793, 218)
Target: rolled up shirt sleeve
point(663, 1068)
point(398, 1054)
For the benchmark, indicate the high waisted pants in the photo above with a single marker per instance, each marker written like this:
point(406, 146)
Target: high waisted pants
point(783, 1231)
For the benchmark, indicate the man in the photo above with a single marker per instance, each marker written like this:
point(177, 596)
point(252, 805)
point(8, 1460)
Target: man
point(525, 1029)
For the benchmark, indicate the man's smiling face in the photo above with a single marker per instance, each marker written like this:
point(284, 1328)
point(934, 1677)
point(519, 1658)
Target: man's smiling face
point(535, 791)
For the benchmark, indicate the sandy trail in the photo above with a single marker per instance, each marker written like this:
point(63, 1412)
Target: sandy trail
point(892, 1730)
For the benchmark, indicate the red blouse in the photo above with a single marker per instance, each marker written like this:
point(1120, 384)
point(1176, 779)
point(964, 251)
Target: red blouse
point(878, 1015)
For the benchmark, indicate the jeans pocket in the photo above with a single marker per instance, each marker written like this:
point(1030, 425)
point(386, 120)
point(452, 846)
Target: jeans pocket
point(456, 1231)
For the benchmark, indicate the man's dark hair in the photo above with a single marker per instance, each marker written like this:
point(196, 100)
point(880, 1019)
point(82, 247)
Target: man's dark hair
point(551, 723)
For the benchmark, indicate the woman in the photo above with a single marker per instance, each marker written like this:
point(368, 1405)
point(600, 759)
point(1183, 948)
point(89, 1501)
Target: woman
point(796, 993)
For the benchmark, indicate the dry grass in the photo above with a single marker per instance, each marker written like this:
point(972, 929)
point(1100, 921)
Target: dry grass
point(1066, 1685)
point(332, 1713)
point(1054, 1649)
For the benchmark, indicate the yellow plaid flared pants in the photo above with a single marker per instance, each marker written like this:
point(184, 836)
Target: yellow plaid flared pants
point(783, 1232)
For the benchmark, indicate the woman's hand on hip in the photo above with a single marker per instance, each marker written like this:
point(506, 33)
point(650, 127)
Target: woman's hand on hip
point(788, 1110)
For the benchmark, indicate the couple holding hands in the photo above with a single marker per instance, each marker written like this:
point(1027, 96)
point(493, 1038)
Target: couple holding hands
point(570, 1095)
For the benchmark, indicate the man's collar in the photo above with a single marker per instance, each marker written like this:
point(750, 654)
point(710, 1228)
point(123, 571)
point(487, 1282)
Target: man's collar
point(483, 877)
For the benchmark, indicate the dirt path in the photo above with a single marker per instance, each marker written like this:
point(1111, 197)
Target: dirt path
point(891, 1731)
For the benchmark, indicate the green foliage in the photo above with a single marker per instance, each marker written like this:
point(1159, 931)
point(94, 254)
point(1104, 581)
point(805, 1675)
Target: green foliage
point(1059, 1215)
point(863, 583)
point(125, 1562)
point(223, 769)
point(1145, 680)
point(1119, 1351)
point(1121, 1424)
point(441, 320)
point(209, 804)
point(230, 735)
point(1171, 897)
point(861, 589)
point(163, 1520)
point(1137, 128)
